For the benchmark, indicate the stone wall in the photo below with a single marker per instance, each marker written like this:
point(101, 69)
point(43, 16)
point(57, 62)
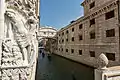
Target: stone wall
point(101, 43)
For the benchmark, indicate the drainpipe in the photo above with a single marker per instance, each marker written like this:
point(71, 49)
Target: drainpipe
point(2, 11)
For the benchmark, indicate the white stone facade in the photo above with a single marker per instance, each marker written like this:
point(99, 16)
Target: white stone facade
point(46, 32)
point(19, 46)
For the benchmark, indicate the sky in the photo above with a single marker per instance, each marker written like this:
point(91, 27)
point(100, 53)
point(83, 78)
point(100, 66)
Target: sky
point(59, 13)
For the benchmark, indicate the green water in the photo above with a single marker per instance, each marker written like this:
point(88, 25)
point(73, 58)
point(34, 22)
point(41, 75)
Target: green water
point(58, 68)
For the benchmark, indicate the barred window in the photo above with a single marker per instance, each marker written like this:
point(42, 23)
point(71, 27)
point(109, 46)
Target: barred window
point(80, 52)
point(92, 21)
point(92, 53)
point(62, 40)
point(67, 40)
point(80, 26)
point(66, 50)
point(72, 50)
point(72, 29)
point(111, 56)
point(62, 49)
point(109, 15)
point(92, 5)
point(63, 33)
point(92, 35)
point(72, 38)
point(110, 33)
point(67, 32)
point(80, 37)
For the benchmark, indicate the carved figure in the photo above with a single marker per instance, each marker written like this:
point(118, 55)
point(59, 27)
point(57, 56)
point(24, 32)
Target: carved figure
point(19, 46)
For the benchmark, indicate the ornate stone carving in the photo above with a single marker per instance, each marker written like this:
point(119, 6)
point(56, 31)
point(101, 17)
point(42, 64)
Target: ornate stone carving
point(103, 10)
point(102, 61)
point(19, 47)
point(15, 74)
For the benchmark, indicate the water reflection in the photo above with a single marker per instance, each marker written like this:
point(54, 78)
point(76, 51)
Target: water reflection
point(73, 77)
point(49, 57)
point(57, 68)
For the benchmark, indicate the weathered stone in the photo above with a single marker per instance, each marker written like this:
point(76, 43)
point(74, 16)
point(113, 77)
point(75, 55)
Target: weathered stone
point(17, 41)
point(102, 61)
point(101, 43)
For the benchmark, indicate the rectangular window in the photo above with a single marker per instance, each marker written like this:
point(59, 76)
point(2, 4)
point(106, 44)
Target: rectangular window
point(59, 49)
point(72, 50)
point(67, 40)
point(62, 49)
point(72, 38)
point(92, 53)
point(62, 40)
point(59, 34)
point(63, 33)
point(80, 26)
point(72, 29)
point(80, 37)
point(66, 50)
point(109, 15)
point(67, 32)
point(59, 41)
point(110, 33)
point(80, 52)
point(92, 35)
point(92, 5)
point(111, 56)
point(92, 22)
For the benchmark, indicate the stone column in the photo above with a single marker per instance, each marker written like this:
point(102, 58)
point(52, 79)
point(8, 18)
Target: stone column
point(112, 73)
point(2, 11)
point(98, 74)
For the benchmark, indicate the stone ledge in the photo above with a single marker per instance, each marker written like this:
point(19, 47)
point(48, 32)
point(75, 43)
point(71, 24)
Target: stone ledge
point(86, 61)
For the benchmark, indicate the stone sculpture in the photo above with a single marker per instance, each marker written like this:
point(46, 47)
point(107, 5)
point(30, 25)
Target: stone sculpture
point(19, 46)
point(102, 61)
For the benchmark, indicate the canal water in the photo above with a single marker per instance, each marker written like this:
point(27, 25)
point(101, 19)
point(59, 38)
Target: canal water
point(59, 68)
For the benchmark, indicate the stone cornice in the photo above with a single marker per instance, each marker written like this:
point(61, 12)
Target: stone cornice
point(85, 2)
point(99, 11)
point(104, 9)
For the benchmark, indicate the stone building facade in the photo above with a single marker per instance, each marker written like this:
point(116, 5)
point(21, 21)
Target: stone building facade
point(19, 22)
point(97, 32)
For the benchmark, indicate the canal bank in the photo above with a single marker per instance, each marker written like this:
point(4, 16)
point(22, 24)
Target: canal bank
point(91, 62)
point(74, 60)
point(59, 68)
